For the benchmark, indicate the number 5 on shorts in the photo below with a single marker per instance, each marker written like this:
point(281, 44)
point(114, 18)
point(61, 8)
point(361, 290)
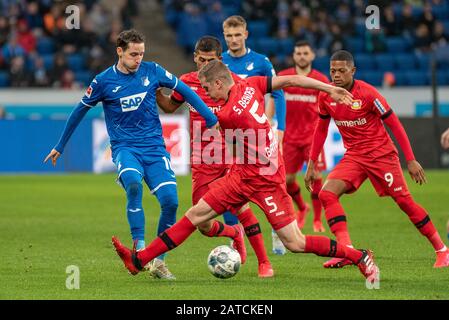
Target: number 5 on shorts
point(268, 201)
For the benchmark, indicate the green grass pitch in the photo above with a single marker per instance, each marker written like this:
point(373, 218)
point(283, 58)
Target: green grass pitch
point(50, 222)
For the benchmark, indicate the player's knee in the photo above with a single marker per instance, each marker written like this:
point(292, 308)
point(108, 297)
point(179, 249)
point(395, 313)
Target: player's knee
point(134, 190)
point(404, 202)
point(327, 198)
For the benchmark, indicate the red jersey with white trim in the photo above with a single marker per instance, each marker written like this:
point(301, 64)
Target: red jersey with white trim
point(244, 110)
point(302, 109)
point(361, 124)
point(196, 120)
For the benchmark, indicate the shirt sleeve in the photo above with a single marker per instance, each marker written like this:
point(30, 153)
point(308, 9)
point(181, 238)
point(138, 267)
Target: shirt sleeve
point(93, 94)
point(322, 110)
point(278, 96)
point(261, 82)
point(380, 105)
point(165, 78)
point(175, 95)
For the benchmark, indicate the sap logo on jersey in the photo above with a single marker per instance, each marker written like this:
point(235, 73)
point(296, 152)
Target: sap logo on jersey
point(131, 103)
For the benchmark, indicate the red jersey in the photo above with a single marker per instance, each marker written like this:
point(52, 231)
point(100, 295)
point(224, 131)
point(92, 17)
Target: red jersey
point(302, 109)
point(361, 124)
point(244, 110)
point(196, 120)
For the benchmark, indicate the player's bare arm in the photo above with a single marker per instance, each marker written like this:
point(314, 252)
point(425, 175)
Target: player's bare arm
point(445, 139)
point(53, 155)
point(164, 102)
point(338, 94)
point(310, 175)
point(416, 172)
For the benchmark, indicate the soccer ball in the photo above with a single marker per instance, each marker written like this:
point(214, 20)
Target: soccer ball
point(224, 262)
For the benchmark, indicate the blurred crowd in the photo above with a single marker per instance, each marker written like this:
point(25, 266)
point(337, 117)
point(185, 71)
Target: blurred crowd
point(38, 50)
point(326, 24)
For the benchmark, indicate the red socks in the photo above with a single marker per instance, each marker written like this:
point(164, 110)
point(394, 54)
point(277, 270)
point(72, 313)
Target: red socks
point(316, 203)
point(335, 215)
point(324, 246)
point(253, 233)
point(167, 240)
point(295, 192)
point(419, 217)
point(220, 229)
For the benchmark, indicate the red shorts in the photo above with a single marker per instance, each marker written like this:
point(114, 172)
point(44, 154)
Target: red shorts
point(231, 192)
point(385, 174)
point(295, 156)
point(203, 176)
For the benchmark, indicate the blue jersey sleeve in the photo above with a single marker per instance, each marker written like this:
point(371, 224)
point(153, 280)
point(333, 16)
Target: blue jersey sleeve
point(165, 78)
point(93, 94)
point(278, 96)
point(72, 122)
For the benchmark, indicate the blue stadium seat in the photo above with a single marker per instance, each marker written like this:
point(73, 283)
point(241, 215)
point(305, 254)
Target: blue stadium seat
point(405, 61)
point(360, 28)
point(364, 62)
point(374, 78)
point(397, 44)
point(442, 77)
point(384, 62)
point(400, 79)
point(321, 64)
point(45, 46)
point(85, 77)
point(355, 45)
point(258, 28)
point(423, 61)
point(416, 78)
point(286, 45)
point(252, 44)
point(446, 26)
point(268, 46)
point(48, 60)
point(4, 79)
point(75, 62)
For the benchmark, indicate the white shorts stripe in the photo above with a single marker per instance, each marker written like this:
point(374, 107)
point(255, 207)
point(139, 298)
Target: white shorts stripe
point(87, 105)
point(161, 185)
point(120, 173)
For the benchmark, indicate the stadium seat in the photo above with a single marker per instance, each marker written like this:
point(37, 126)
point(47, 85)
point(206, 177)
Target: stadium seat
point(286, 45)
point(384, 62)
point(400, 79)
point(446, 26)
point(416, 78)
point(75, 62)
point(4, 79)
point(397, 45)
point(423, 61)
point(405, 61)
point(48, 60)
point(252, 44)
point(258, 28)
point(321, 63)
point(355, 45)
point(364, 62)
point(85, 77)
point(374, 78)
point(268, 46)
point(45, 46)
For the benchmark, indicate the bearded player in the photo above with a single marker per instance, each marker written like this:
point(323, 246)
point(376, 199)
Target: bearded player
point(302, 116)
